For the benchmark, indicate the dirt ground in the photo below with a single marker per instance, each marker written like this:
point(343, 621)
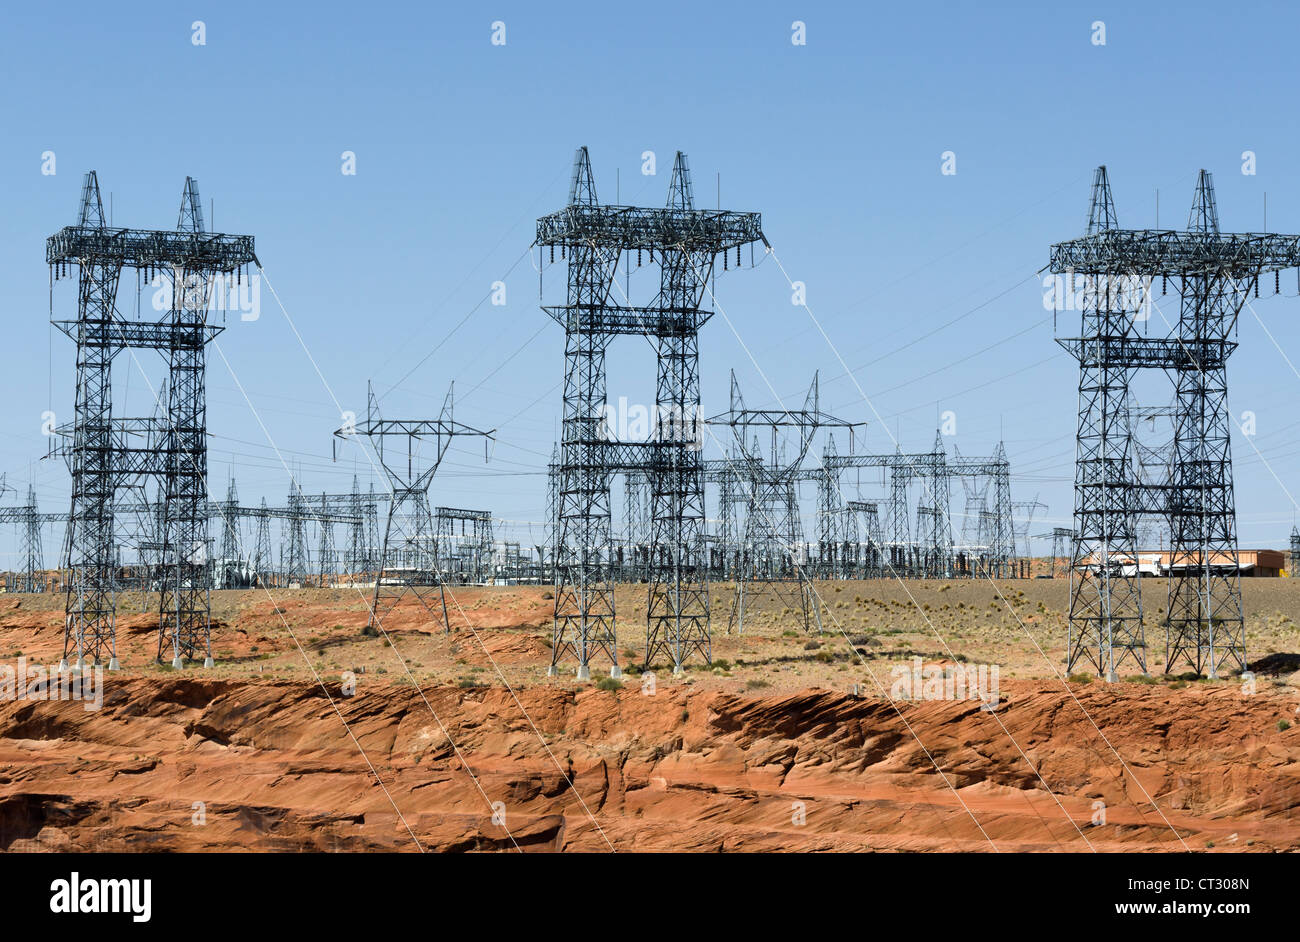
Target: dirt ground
point(311, 734)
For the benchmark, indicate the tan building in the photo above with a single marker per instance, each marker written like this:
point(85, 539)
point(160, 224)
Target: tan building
point(1252, 562)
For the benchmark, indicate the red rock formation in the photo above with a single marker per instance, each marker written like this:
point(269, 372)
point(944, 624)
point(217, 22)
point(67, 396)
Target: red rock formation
point(271, 766)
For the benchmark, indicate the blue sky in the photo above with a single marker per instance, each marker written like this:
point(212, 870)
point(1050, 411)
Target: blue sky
point(925, 283)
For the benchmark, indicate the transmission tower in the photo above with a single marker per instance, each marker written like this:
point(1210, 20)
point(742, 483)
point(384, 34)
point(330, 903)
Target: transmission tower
point(33, 562)
point(1020, 533)
point(831, 525)
point(230, 525)
point(325, 556)
point(407, 562)
point(262, 557)
point(637, 527)
point(772, 546)
point(1212, 272)
point(932, 554)
point(29, 520)
point(1062, 543)
point(687, 241)
point(871, 564)
point(464, 542)
point(296, 561)
point(105, 451)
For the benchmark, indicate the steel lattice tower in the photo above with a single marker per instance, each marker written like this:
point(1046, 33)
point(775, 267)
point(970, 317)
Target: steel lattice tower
point(1213, 272)
point(932, 554)
point(465, 557)
point(356, 561)
point(262, 549)
point(230, 524)
point(33, 562)
point(594, 237)
point(91, 602)
point(871, 563)
point(296, 562)
point(326, 558)
point(185, 604)
point(1105, 600)
point(29, 520)
point(1062, 542)
point(407, 562)
point(773, 536)
point(831, 523)
point(106, 452)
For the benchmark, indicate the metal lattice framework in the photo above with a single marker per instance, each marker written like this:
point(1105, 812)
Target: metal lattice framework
point(772, 550)
point(29, 520)
point(408, 563)
point(302, 511)
point(464, 544)
point(869, 558)
point(686, 243)
point(1062, 543)
point(931, 552)
point(234, 567)
point(1212, 272)
point(106, 453)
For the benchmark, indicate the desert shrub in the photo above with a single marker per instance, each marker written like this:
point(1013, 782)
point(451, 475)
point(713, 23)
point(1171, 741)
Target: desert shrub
point(609, 683)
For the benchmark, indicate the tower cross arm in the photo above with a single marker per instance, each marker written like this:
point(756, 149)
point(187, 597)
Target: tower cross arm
point(636, 227)
point(1156, 252)
point(138, 248)
point(662, 320)
point(413, 428)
